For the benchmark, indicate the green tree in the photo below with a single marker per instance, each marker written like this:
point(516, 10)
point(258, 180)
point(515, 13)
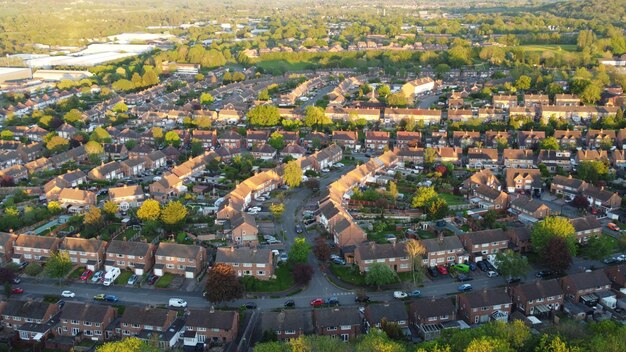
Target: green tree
point(550, 227)
point(120, 107)
point(380, 274)
point(33, 269)
point(94, 148)
point(416, 252)
point(293, 174)
point(110, 208)
point(549, 143)
point(73, 116)
point(315, 116)
point(553, 344)
point(58, 265)
point(222, 284)
point(592, 93)
point(203, 122)
point(129, 344)
point(123, 85)
point(592, 171)
point(93, 217)
point(512, 264)
point(523, 82)
point(264, 115)
point(277, 140)
point(272, 347)
point(206, 99)
point(299, 251)
point(436, 208)
point(423, 196)
point(264, 95)
point(157, 134)
point(397, 100)
point(100, 135)
point(172, 138)
point(54, 207)
point(377, 341)
point(277, 209)
point(430, 156)
point(150, 78)
point(556, 255)
point(173, 213)
point(393, 189)
point(57, 144)
point(383, 90)
point(6, 135)
point(599, 247)
point(149, 210)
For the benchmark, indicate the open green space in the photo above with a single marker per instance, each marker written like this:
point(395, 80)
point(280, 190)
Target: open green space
point(283, 281)
point(284, 65)
point(348, 273)
point(548, 47)
point(164, 281)
point(123, 278)
point(452, 199)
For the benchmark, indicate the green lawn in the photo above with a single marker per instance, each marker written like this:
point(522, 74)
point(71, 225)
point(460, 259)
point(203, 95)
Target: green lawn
point(164, 281)
point(452, 199)
point(348, 273)
point(128, 234)
point(123, 278)
point(283, 65)
point(549, 47)
point(283, 281)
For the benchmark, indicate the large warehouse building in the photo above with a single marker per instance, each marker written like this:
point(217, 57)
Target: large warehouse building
point(15, 74)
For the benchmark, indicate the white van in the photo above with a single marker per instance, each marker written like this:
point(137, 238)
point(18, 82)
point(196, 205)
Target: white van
point(111, 276)
point(178, 303)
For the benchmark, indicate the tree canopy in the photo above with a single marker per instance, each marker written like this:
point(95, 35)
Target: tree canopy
point(550, 227)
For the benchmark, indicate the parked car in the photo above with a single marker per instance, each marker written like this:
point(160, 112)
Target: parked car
point(512, 280)
point(177, 303)
point(22, 265)
point(289, 303)
point(464, 268)
point(482, 266)
point(152, 279)
point(283, 257)
point(317, 302)
point(544, 273)
point(612, 226)
point(250, 305)
point(471, 265)
point(490, 266)
point(433, 272)
point(332, 301)
point(298, 229)
point(442, 270)
point(610, 260)
point(99, 297)
point(361, 299)
point(133, 279)
point(492, 274)
point(111, 298)
point(61, 303)
point(99, 275)
point(463, 278)
point(17, 280)
point(68, 294)
point(17, 290)
point(399, 295)
point(415, 293)
point(86, 275)
point(339, 261)
point(465, 288)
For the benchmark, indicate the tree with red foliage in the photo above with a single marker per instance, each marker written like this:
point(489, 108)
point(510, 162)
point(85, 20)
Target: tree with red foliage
point(6, 275)
point(321, 249)
point(580, 202)
point(7, 181)
point(441, 169)
point(556, 255)
point(302, 273)
point(222, 284)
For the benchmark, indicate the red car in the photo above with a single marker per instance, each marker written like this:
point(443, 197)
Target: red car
point(17, 290)
point(317, 302)
point(86, 275)
point(442, 270)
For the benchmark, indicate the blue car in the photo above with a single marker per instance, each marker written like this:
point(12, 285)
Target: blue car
point(465, 288)
point(415, 293)
point(111, 298)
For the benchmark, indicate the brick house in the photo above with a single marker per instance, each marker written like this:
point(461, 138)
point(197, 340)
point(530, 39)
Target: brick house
point(108, 171)
point(464, 139)
point(289, 323)
point(482, 158)
point(495, 139)
point(136, 256)
point(31, 248)
point(406, 139)
point(256, 138)
point(504, 101)
point(168, 186)
point(484, 305)
point(133, 167)
point(247, 261)
point(155, 160)
point(393, 255)
point(428, 315)
point(566, 100)
point(539, 297)
point(519, 238)
point(489, 198)
point(586, 227)
point(518, 158)
point(210, 327)
point(522, 180)
point(76, 197)
point(443, 250)
point(84, 252)
point(90, 320)
point(391, 312)
point(244, 230)
point(346, 139)
point(7, 240)
point(133, 195)
point(582, 284)
point(208, 139)
point(482, 177)
point(567, 185)
point(180, 259)
point(231, 139)
point(600, 198)
point(617, 275)
point(529, 209)
point(485, 243)
point(138, 319)
point(600, 138)
point(376, 140)
point(340, 322)
point(32, 320)
point(529, 139)
point(568, 139)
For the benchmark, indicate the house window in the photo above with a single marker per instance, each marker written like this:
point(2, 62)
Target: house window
point(260, 265)
point(170, 266)
point(75, 322)
point(260, 272)
point(181, 267)
point(87, 323)
point(290, 332)
point(88, 333)
point(125, 332)
point(97, 332)
point(331, 328)
point(24, 335)
point(181, 259)
point(345, 327)
point(136, 326)
point(345, 337)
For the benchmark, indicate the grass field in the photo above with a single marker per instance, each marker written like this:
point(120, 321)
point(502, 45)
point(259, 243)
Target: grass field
point(164, 281)
point(348, 273)
point(283, 65)
point(451, 199)
point(283, 281)
point(549, 47)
